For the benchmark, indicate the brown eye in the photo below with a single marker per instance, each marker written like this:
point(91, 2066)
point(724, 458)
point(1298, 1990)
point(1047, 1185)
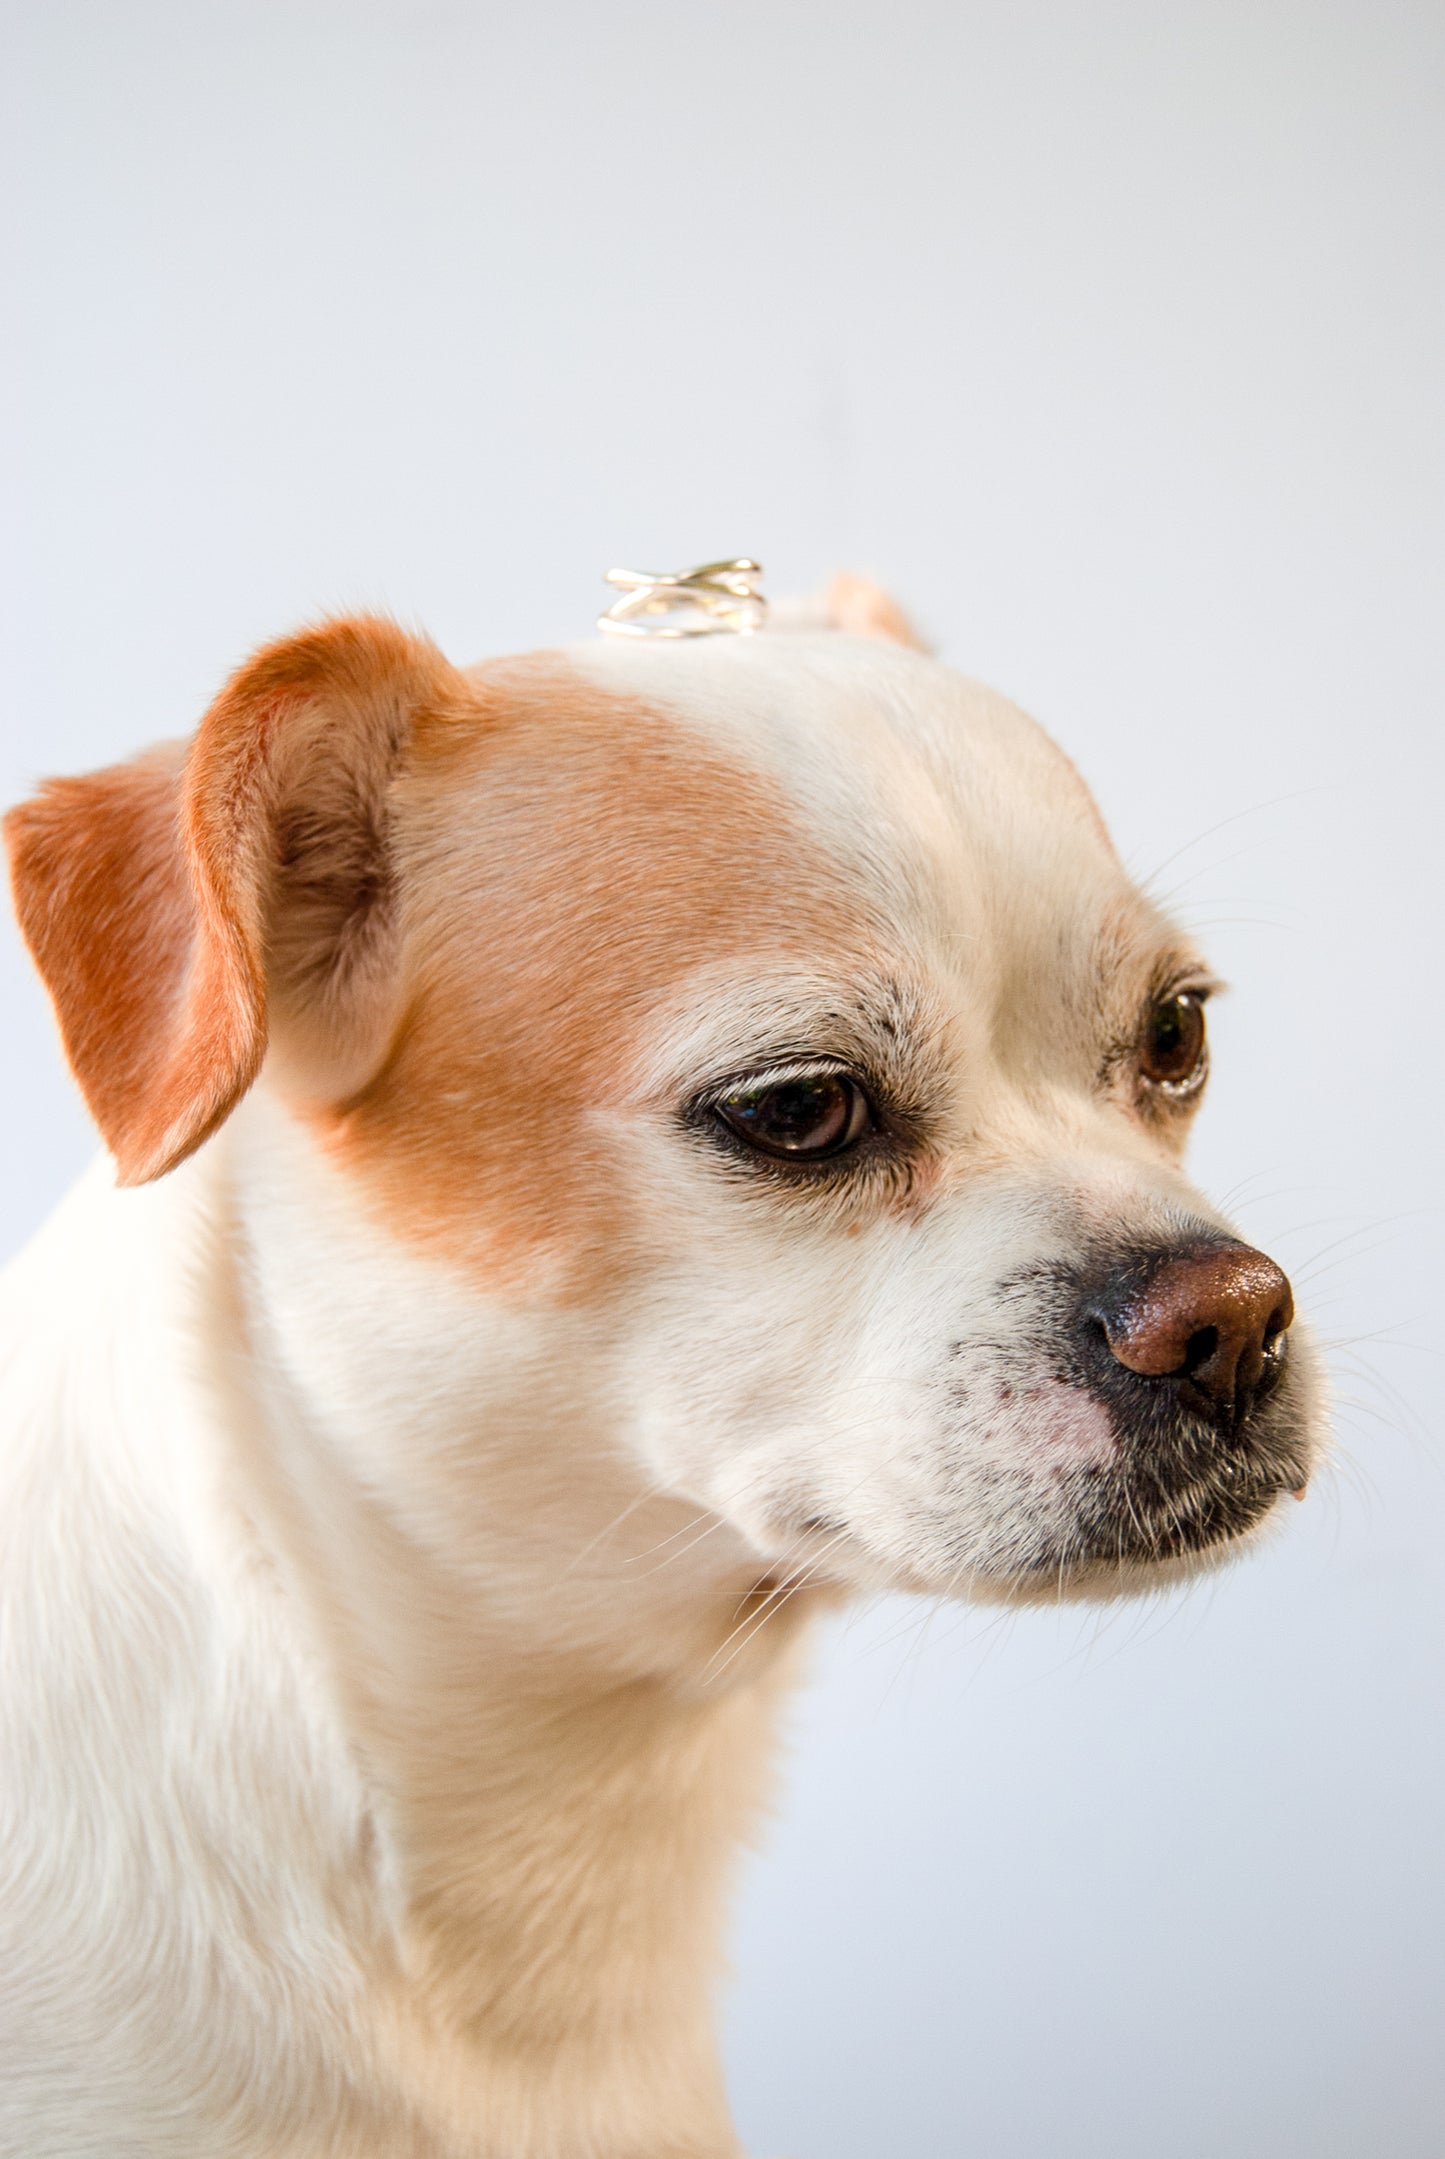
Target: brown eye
point(1171, 1052)
point(800, 1119)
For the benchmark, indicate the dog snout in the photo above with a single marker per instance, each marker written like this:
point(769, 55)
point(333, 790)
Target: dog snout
point(1210, 1322)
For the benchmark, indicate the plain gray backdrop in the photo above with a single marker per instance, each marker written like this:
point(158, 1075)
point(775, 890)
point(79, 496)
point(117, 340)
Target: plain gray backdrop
point(1110, 335)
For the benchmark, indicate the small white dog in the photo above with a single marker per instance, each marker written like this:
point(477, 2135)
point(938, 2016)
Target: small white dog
point(659, 1136)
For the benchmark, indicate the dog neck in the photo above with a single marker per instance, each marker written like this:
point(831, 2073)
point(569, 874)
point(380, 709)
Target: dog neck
point(561, 1686)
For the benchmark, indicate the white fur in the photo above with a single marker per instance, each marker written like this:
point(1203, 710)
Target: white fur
point(386, 1679)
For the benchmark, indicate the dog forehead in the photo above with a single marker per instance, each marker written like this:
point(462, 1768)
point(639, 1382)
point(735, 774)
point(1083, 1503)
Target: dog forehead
point(596, 842)
point(559, 779)
point(946, 803)
point(721, 790)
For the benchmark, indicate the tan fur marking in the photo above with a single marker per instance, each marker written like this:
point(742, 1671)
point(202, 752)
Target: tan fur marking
point(570, 855)
point(146, 891)
point(103, 897)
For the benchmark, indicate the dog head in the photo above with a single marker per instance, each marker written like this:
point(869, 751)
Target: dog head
point(779, 1005)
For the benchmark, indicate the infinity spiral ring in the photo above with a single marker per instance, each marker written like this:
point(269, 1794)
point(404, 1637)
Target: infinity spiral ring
point(687, 603)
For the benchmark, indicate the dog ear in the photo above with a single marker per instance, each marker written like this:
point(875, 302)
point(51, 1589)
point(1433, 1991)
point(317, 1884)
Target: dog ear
point(864, 609)
point(181, 906)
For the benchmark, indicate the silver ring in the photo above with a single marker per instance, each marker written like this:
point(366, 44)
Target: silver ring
point(687, 603)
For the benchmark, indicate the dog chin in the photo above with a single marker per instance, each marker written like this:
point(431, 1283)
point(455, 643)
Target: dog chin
point(1116, 1545)
point(1106, 1578)
point(1134, 1559)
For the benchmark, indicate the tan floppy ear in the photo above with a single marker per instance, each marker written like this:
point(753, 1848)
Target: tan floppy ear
point(864, 609)
point(180, 905)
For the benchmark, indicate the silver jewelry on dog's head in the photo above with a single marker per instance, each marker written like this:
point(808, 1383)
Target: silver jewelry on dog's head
point(687, 603)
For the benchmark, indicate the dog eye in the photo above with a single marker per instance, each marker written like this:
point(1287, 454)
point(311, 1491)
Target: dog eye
point(799, 1120)
point(1172, 1048)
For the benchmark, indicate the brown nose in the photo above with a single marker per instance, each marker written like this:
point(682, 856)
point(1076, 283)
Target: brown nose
point(1214, 1317)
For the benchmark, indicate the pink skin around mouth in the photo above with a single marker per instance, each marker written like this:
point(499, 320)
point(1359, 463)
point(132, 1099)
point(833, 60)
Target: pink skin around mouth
point(1053, 1426)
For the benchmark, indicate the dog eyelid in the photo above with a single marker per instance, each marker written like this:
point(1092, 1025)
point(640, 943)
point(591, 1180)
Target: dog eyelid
point(803, 1114)
point(1186, 981)
point(781, 1072)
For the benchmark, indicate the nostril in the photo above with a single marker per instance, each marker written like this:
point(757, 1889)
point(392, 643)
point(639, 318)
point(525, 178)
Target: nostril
point(1211, 1318)
point(1198, 1350)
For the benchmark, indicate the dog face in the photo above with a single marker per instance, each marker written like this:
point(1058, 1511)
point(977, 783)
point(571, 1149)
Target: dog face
point(924, 1297)
point(777, 1003)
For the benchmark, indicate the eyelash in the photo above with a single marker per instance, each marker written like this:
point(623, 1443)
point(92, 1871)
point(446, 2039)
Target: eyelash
point(878, 1151)
point(1201, 988)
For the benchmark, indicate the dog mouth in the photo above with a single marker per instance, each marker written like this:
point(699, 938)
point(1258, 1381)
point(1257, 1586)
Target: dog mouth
point(1177, 1490)
point(1192, 1470)
point(1050, 1468)
point(1182, 1480)
point(1170, 1495)
point(1117, 1502)
point(1150, 1512)
point(1122, 1531)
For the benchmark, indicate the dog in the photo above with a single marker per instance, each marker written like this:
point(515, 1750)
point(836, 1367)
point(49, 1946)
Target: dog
point(614, 1151)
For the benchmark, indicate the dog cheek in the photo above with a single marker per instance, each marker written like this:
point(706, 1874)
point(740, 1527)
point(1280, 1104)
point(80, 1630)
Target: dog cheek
point(1047, 1428)
point(1019, 1457)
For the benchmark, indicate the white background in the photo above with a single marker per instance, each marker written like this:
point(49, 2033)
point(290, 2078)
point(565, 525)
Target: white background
point(1110, 335)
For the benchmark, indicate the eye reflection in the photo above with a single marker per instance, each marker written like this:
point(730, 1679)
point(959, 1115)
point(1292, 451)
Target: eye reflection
point(1172, 1045)
point(801, 1119)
